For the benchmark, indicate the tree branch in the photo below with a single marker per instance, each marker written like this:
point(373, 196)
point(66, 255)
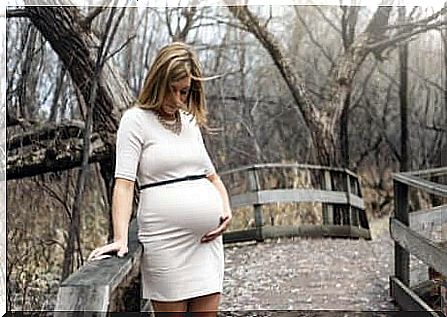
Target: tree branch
point(50, 131)
point(87, 22)
point(329, 21)
point(381, 45)
point(16, 13)
point(61, 156)
point(312, 39)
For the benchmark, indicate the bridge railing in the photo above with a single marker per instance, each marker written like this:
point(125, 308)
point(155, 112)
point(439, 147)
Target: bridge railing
point(102, 286)
point(337, 189)
point(407, 230)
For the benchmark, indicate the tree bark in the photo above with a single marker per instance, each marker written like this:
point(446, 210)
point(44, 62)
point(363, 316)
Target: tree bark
point(403, 96)
point(349, 21)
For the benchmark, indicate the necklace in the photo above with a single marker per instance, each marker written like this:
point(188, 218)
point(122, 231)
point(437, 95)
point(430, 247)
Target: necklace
point(172, 125)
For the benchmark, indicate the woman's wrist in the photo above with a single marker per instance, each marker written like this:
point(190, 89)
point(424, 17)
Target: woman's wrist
point(122, 240)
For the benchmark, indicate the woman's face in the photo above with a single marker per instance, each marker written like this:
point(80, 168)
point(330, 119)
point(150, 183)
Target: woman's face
point(177, 97)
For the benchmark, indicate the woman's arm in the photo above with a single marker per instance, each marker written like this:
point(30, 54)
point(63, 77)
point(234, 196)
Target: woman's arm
point(121, 211)
point(122, 208)
point(226, 218)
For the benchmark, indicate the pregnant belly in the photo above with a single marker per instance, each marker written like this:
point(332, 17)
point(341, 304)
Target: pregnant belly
point(179, 209)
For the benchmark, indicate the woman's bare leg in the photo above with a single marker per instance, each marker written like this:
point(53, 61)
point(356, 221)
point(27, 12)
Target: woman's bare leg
point(169, 309)
point(204, 306)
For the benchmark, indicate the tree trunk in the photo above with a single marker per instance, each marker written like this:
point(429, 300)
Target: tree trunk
point(403, 94)
point(75, 45)
point(344, 133)
point(63, 28)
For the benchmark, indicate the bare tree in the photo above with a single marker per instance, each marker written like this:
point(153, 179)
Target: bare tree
point(323, 122)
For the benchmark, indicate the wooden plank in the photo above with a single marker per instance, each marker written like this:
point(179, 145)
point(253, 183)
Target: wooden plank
point(91, 287)
point(294, 195)
point(426, 185)
point(239, 236)
point(328, 210)
point(82, 298)
point(289, 165)
point(433, 172)
point(259, 222)
point(314, 231)
point(401, 256)
point(253, 178)
point(360, 232)
point(444, 297)
point(409, 300)
point(356, 201)
point(242, 200)
point(349, 211)
point(429, 218)
point(110, 271)
point(424, 249)
point(301, 195)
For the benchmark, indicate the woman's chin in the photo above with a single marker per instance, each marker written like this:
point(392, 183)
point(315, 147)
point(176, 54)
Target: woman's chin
point(170, 111)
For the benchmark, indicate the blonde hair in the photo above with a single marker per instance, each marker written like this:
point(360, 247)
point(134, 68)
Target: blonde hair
point(175, 62)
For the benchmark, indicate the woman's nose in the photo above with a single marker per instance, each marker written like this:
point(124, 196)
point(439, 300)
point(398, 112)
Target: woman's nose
point(179, 97)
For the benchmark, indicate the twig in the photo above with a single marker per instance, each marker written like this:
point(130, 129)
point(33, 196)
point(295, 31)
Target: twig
point(16, 13)
point(312, 39)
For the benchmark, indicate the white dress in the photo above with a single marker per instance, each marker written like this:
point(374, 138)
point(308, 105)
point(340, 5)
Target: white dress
point(172, 218)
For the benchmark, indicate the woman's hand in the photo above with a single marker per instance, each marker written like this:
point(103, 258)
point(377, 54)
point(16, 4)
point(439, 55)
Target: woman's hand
point(118, 247)
point(224, 223)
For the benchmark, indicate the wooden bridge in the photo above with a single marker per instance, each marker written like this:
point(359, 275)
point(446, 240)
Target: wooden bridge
point(114, 284)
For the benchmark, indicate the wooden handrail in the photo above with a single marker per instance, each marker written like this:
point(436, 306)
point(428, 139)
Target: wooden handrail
point(426, 185)
point(406, 229)
point(329, 197)
point(296, 195)
point(287, 165)
point(101, 285)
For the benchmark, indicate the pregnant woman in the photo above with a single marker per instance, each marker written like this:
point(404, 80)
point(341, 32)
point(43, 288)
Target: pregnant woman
point(183, 207)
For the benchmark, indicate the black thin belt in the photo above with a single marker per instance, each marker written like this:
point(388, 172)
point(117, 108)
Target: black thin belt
point(186, 178)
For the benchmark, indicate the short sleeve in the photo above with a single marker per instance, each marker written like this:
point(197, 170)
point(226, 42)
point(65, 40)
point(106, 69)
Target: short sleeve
point(207, 163)
point(129, 143)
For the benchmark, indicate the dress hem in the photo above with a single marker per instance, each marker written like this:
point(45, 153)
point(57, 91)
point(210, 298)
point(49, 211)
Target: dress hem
point(193, 295)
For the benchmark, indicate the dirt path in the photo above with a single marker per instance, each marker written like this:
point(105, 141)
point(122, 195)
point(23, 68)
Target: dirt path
point(310, 274)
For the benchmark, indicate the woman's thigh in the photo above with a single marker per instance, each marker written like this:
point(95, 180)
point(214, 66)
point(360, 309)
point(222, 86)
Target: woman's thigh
point(169, 309)
point(204, 306)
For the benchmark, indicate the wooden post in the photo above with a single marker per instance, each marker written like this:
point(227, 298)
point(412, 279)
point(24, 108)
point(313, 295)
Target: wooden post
point(401, 256)
point(257, 208)
point(349, 211)
point(328, 209)
point(444, 297)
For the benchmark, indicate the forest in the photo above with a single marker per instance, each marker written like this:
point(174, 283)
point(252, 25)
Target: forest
point(357, 87)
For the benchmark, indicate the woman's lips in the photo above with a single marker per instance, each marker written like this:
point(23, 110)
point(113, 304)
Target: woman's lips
point(169, 108)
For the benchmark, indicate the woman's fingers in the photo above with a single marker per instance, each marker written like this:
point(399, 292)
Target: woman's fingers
point(122, 252)
point(108, 251)
point(224, 222)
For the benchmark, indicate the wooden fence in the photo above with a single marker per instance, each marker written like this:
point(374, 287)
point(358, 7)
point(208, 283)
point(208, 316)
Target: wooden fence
point(337, 189)
point(406, 229)
point(113, 284)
